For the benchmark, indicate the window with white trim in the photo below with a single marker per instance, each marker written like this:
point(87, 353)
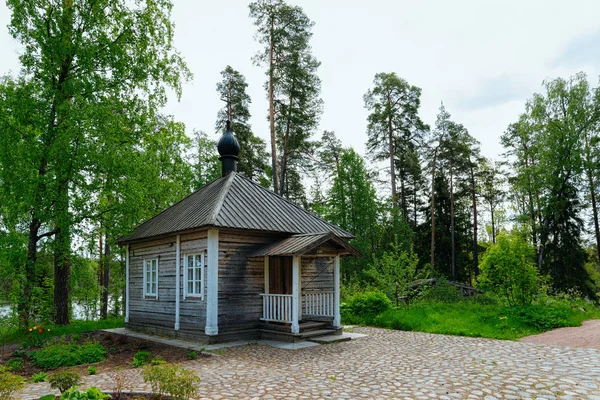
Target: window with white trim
point(151, 277)
point(194, 275)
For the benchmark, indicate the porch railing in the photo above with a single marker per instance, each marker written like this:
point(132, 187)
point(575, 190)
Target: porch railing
point(277, 307)
point(318, 304)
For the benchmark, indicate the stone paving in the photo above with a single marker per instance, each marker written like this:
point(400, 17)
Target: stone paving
point(387, 364)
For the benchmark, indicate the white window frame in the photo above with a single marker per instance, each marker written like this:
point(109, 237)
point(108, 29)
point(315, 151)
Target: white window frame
point(148, 263)
point(186, 268)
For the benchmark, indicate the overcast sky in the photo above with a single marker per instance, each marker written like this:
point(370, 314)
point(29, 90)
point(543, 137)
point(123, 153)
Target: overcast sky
point(483, 59)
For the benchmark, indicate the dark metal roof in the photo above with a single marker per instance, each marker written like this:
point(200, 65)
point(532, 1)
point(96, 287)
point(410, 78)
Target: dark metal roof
point(234, 202)
point(298, 245)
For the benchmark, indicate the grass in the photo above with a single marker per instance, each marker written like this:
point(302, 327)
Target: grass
point(476, 319)
point(76, 326)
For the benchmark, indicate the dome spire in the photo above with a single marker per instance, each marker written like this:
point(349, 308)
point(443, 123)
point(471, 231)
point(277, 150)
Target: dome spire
point(228, 148)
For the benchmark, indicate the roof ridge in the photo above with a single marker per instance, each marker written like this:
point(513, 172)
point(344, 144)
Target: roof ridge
point(296, 205)
point(212, 219)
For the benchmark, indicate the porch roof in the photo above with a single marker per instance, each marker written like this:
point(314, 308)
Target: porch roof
point(297, 245)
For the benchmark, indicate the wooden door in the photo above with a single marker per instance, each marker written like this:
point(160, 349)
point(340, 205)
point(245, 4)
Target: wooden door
point(280, 275)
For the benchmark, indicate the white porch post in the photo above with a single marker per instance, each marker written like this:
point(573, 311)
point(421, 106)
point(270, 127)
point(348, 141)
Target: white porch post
point(177, 280)
point(127, 283)
point(295, 294)
point(212, 285)
point(337, 320)
point(266, 274)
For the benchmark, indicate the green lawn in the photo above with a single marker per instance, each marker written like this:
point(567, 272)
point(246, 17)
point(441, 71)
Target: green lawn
point(471, 318)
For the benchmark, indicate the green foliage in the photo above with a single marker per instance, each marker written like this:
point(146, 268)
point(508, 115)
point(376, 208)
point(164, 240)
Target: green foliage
point(192, 355)
point(172, 380)
point(10, 384)
point(39, 377)
point(364, 307)
point(394, 272)
point(63, 380)
point(92, 393)
point(508, 270)
point(141, 358)
point(92, 370)
point(64, 355)
point(157, 361)
point(47, 397)
point(15, 364)
point(440, 292)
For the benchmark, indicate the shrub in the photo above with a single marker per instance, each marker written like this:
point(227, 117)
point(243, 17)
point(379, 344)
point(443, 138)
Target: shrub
point(39, 377)
point(15, 364)
point(92, 370)
point(172, 380)
point(19, 353)
point(64, 380)
point(367, 305)
point(92, 393)
point(66, 355)
point(10, 384)
point(394, 271)
point(141, 358)
point(192, 355)
point(157, 361)
point(508, 269)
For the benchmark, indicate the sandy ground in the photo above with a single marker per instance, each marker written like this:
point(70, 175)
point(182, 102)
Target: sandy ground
point(586, 335)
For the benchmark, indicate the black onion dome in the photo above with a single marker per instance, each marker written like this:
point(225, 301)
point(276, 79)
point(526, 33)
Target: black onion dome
point(228, 144)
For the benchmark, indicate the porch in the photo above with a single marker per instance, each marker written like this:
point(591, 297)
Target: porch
point(302, 283)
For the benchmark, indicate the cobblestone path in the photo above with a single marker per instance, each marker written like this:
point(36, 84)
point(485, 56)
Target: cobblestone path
point(388, 364)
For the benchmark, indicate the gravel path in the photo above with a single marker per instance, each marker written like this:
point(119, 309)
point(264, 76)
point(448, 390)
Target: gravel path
point(586, 335)
point(388, 364)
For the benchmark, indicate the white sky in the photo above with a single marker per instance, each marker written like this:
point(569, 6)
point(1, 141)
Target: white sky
point(483, 59)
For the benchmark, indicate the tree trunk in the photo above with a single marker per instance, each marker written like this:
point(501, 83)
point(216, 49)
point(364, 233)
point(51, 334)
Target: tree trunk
point(475, 244)
point(105, 278)
point(433, 209)
point(391, 150)
point(284, 158)
point(493, 224)
point(62, 273)
point(452, 219)
point(272, 116)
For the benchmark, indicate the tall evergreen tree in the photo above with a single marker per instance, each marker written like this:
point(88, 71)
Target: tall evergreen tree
point(253, 155)
point(395, 131)
point(293, 89)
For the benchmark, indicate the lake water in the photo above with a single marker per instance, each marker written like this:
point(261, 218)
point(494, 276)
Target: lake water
point(82, 312)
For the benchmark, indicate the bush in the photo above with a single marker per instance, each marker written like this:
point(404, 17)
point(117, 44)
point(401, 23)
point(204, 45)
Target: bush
point(67, 355)
point(10, 384)
point(64, 380)
point(92, 370)
point(172, 380)
point(366, 306)
point(508, 269)
point(39, 377)
point(15, 364)
point(92, 393)
point(157, 361)
point(192, 355)
point(141, 358)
